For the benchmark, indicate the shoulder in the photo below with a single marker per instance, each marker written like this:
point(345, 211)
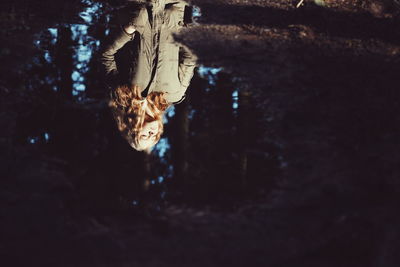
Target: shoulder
point(134, 14)
point(174, 15)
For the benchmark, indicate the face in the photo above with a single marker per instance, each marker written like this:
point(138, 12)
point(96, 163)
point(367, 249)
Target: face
point(148, 135)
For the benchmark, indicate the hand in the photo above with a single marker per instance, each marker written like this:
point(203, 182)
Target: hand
point(129, 29)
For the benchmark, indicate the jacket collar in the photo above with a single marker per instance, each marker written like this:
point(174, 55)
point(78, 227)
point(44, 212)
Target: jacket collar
point(161, 3)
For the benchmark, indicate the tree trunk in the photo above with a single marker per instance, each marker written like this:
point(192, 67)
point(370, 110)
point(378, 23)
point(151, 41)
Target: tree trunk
point(64, 61)
point(180, 144)
point(243, 133)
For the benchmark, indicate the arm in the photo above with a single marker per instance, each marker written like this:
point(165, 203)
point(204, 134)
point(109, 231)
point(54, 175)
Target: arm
point(125, 35)
point(187, 64)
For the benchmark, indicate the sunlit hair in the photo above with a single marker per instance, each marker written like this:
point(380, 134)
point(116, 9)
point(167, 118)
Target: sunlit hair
point(131, 111)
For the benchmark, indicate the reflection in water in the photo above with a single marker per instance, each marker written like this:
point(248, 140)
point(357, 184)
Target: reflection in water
point(40, 139)
point(235, 97)
point(85, 45)
point(162, 147)
point(202, 147)
point(146, 70)
point(196, 13)
point(210, 75)
point(209, 72)
point(69, 180)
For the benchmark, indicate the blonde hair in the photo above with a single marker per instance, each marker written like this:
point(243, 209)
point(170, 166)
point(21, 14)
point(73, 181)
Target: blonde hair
point(131, 111)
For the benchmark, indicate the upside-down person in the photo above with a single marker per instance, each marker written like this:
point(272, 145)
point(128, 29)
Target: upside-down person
point(155, 74)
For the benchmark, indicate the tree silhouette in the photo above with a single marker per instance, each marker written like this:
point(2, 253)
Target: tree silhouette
point(64, 62)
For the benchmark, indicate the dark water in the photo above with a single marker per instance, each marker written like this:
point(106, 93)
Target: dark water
point(301, 170)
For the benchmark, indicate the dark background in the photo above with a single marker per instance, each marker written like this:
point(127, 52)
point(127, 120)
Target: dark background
point(285, 152)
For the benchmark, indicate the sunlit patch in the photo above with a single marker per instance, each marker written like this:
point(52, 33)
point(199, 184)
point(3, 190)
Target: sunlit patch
point(46, 137)
point(196, 12)
point(171, 112)
point(208, 73)
point(47, 57)
point(191, 114)
point(76, 76)
point(320, 2)
point(235, 98)
point(39, 139)
point(80, 87)
point(91, 11)
point(162, 146)
point(203, 71)
point(83, 55)
point(33, 140)
point(54, 35)
point(83, 51)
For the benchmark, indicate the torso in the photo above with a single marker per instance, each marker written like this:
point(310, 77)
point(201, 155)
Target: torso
point(156, 68)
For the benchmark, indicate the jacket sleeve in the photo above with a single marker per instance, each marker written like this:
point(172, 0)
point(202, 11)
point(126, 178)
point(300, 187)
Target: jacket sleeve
point(187, 64)
point(108, 54)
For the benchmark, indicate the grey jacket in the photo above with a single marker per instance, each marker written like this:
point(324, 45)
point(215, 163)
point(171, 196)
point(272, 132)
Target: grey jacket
point(158, 64)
